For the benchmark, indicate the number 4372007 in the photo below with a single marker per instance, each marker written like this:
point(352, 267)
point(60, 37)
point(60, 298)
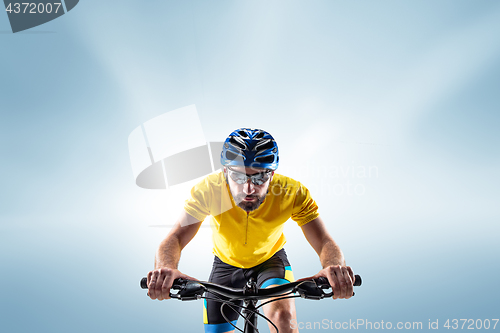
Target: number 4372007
point(471, 324)
point(33, 8)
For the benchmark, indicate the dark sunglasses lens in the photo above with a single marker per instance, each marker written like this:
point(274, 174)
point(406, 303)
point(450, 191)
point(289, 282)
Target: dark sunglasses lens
point(238, 178)
point(260, 179)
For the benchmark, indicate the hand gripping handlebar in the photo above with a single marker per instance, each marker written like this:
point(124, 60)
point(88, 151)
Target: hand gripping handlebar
point(309, 289)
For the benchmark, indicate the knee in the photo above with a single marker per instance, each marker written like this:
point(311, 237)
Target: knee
point(283, 315)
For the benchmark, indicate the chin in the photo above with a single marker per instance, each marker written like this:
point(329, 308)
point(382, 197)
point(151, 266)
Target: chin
point(250, 206)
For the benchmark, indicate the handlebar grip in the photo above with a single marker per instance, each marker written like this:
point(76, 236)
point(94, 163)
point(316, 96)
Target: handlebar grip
point(324, 281)
point(357, 280)
point(144, 282)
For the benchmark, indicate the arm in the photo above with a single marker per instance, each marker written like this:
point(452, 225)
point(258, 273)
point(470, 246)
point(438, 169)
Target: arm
point(169, 251)
point(167, 257)
point(339, 275)
point(328, 251)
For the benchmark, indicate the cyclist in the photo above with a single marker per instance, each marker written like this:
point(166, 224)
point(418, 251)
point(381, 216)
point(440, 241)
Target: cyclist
point(247, 204)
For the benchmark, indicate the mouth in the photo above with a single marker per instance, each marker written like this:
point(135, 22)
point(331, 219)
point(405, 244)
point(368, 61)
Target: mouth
point(249, 198)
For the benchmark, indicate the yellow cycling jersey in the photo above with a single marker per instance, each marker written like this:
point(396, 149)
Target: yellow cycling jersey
point(244, 239)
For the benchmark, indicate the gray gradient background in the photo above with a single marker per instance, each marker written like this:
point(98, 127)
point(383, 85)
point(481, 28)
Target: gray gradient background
point(410, 87)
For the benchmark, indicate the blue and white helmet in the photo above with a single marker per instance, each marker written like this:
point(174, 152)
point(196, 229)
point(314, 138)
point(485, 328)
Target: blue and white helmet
point(250, 147)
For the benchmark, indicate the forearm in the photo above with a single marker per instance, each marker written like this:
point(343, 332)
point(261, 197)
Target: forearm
point(331, 255)
point(328, 251)
point(168, 253)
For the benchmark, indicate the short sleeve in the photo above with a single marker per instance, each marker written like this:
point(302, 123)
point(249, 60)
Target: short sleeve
point(304, 208)
point(198, 204)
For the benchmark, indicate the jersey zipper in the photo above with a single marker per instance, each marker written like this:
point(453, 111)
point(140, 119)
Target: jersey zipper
point(246, 230)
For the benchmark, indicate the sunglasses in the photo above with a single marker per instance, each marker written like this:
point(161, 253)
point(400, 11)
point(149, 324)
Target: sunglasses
point(241, 178)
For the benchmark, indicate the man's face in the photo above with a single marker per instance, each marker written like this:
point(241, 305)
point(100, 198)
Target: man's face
point(247, 196)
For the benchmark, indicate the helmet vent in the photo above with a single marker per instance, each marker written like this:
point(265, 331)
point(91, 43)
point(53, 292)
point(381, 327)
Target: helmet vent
point(265, 159)
point(264, 145)
point(238, 143)
point(243, 134)
point(260, 135)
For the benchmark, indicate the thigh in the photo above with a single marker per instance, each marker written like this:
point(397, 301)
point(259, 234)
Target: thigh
point(213, 319)
point(274, 271)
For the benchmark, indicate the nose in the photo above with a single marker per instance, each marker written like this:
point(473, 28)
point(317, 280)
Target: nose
point(248, 188)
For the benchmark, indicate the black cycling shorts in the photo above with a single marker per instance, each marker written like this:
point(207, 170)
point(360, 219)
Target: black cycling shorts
point(274, 271)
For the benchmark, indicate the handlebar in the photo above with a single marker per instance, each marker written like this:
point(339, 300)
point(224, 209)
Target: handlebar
point(309, 289)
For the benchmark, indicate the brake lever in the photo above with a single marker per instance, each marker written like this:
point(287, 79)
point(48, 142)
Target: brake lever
point(310, 290)
point(322, 282)
point(314, 289)
point(188, 290)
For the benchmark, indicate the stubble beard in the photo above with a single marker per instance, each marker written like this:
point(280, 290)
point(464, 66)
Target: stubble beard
point(248, 206)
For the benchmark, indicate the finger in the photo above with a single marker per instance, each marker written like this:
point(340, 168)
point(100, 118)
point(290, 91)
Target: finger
point(165, 288)
point(351, 274)
point(152, 284)
point(353, 278)
point(346, 283)
point(341, 274)
point(149, 277)
point(330, 275)
point(159, 284)
point(150, 273)
point(334, 281)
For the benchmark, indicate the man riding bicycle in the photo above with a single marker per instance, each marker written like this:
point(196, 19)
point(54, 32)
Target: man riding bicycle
point(248, 204)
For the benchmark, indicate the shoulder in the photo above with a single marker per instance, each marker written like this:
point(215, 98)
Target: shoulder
point(204, 192)
point(286, 183)
point(214, 180)
point(288, 188)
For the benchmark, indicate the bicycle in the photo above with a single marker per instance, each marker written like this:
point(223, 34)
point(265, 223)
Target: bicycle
point(192, 290)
